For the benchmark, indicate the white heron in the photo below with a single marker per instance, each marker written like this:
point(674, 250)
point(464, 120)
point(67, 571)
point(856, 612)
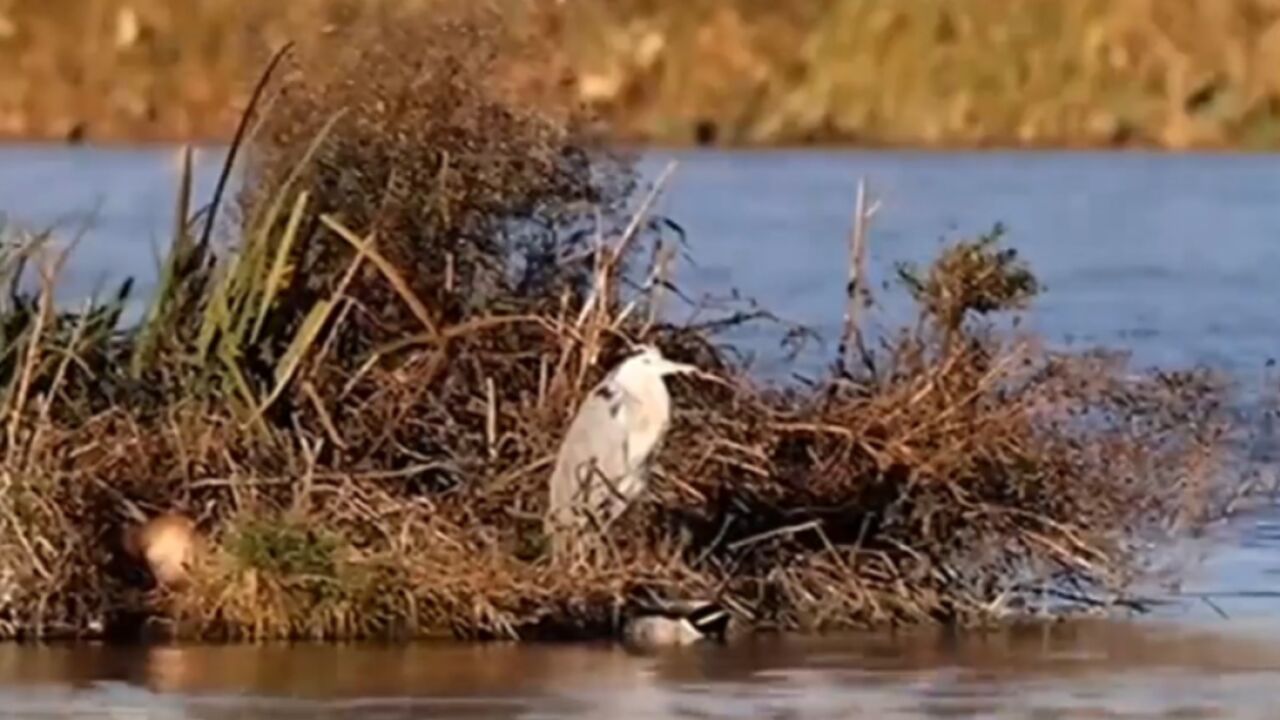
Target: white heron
point(603, 461)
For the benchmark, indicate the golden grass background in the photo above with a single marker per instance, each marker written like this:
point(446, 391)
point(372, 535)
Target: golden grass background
point(1169, 73)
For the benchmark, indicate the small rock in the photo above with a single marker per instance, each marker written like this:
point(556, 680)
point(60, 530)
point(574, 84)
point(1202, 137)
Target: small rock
point(599, 87)
point(128, 28)
point(649, 49)
point(77, 132)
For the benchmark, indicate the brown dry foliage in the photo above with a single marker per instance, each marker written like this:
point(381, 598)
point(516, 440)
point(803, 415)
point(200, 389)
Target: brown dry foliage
point(396, 489)
point(435, 147)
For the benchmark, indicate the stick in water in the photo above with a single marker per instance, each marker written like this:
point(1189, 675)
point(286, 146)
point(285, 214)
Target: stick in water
point(856, 290)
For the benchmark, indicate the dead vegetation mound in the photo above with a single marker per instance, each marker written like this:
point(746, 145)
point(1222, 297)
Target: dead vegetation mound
point(360, 398)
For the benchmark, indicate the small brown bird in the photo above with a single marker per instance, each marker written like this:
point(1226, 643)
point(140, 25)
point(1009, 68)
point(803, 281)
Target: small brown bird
point(166, 544)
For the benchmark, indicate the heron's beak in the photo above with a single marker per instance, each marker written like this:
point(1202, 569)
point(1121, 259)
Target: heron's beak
point(675, 368)
point(711, 377)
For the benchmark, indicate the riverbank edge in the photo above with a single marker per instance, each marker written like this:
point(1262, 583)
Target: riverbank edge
point(643, 144)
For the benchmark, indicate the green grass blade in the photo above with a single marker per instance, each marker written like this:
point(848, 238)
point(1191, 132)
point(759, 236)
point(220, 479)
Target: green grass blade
point(306, 336)
point(275, 278)
point(180, 250)
point(263, 225)
point(216, 317)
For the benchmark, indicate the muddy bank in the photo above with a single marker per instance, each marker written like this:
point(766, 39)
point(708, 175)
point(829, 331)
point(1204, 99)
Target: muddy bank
point(355, 375)
point(879, 72)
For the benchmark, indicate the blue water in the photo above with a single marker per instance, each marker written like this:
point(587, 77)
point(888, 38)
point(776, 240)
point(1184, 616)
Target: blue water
point(1172, 257)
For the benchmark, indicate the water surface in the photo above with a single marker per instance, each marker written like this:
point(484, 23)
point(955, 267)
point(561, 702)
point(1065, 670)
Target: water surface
point(1173, 257)
point(1095, 670)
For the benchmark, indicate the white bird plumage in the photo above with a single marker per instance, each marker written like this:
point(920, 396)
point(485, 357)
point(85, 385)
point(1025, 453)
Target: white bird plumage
point(602, 463)
point(678, 625)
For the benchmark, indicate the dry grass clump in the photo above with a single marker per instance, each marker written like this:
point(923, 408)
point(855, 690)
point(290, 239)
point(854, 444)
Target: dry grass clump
point(359, 402)
point(418, 113)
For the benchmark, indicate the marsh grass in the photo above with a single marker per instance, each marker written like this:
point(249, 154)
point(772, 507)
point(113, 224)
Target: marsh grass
point(933, 72)
point(359, 391)
point(936, 72)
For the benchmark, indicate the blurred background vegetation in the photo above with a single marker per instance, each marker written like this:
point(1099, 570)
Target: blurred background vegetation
point(948, 73)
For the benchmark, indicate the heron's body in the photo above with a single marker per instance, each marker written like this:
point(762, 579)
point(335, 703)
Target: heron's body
point(603, 461)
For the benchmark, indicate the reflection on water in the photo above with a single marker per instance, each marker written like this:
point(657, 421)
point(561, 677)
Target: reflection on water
point(1091, 669)
point(1171, 256)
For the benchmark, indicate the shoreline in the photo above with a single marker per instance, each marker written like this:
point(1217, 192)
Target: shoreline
point(204, 142)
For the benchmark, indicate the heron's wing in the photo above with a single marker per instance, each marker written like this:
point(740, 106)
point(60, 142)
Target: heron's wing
point(595, 445)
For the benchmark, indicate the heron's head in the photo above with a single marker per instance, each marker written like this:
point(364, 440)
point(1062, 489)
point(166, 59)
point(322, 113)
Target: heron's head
point(648, 359)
